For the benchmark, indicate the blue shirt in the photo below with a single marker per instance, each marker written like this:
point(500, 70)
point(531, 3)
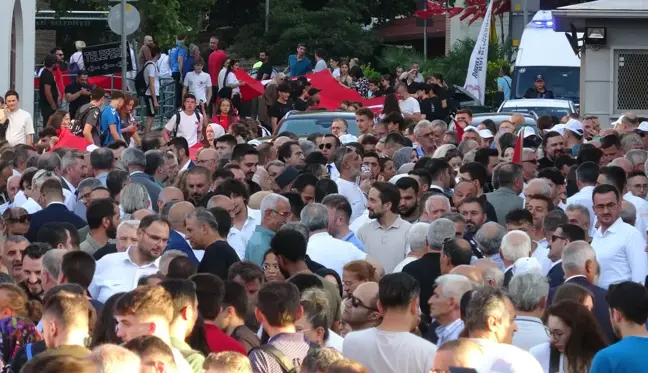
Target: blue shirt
point(504, 82)
point(627, 355)
point(178, 51)
point(109, 116)
point(258, 244)
point(351, 237)
point(299, 67)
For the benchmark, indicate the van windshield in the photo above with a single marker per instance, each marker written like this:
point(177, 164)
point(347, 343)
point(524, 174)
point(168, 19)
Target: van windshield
point(564, 81)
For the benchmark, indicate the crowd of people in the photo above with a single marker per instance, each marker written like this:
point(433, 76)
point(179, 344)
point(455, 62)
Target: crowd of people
point(417, 246)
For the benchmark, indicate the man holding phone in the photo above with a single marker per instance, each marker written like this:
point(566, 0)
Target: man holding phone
point(77, 93)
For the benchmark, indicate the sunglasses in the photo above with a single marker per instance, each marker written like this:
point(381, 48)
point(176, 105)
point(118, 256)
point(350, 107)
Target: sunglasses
point(327, 146)
point(20, 219)
point(355, 303)
point(555, 237)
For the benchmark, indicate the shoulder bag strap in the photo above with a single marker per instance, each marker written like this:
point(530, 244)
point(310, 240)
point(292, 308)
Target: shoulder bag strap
point(278, 356)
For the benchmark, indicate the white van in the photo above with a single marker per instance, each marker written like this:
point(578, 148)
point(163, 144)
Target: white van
point(545, 52)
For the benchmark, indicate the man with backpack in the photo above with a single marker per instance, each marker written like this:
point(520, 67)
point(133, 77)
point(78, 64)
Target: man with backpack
point(187, 123)
point(147, 84)
point(278, 307)
point(87, 119)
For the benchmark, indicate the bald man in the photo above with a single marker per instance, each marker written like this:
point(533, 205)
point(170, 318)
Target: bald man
point(463, 190)
point(280, 141)
point(491, 273)
point(167, 195)
point(222, 201)
point(624, 163)
point(364, 315)
point(177, 239)
point(460, 353)
point(473, 273)
point(538, 186)
point(208, 158)
point(256, 198)
point(140, 214)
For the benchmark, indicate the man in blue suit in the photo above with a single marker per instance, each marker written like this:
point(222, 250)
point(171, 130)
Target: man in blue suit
point(562, 236)
point(581, 268)
point(51, 196)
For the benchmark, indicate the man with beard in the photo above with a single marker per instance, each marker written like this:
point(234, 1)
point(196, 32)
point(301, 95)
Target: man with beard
point(12, 253)
point(554, 145)
point(198, 179)
point(473, 211)
point(409, 197)
point(349, 162)
point(103, 219)
point(203, 233)
point(385, 238)
point(32, 258)
point(120, 272)
point(247, 157)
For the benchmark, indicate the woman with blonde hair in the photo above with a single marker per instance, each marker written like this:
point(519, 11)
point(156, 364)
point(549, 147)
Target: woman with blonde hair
point(355, 273)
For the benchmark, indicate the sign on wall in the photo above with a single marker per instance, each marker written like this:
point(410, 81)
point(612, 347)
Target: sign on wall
point(104, 59)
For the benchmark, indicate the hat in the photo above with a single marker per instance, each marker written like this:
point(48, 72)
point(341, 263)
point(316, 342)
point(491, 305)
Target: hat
point(485, 134)
point(91, 148)
point(560, 128)
point(471, 128)
point(527, 265)
point(618, 121)
point(218, 130)
point(575, 126)
point(347, 138)
point(254, 142)
point(643, 126)
point(313, 91)
point(528, 131)
point(395, 178)
point(287, 176)
point(539, 78)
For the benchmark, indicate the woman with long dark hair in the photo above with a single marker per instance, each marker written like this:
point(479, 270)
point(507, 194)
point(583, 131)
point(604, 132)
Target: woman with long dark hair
point(105, 330)
point(360, 83)
point(575, 337)
point(390, 105)
point(129, 125)
point(229, 84)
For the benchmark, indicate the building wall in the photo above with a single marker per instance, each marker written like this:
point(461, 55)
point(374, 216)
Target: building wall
point(599, 69)
point(23, 12)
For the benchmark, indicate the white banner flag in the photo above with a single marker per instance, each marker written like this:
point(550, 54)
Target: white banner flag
point(476, 77)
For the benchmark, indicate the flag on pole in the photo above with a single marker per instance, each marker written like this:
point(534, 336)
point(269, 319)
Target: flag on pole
point(517, 151)
point(493, 29)
point(476, 78)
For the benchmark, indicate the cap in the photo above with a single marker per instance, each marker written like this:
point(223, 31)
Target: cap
point(575, 126)
point(485, 134)
point(395, 178)
point(91, 147)
point(526, 265)
point(347, 138)
point(528, 131)
point(618, 121)
point(643, 126)
point(313, 91)
point(539, 78)
point(560, 128)
point(471, 128)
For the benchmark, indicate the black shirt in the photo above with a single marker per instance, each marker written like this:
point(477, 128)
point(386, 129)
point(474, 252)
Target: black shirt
point(425, 271)
point(265, 68)
point(279, 110)
point(219, 256)
point(488, 208)
point(300, 104)
point(432, 108)
point(534, 93)
point(73, 88)
point(384, 91)
point(545, 162)
point(108, 249)
point(47, 77)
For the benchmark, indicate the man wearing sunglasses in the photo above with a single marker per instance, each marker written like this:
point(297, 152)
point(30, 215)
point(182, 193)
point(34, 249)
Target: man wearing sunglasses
point(361, 308)
point(328, 147)
point(562, 236)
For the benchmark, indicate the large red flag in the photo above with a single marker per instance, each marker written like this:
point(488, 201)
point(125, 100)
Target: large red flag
point(252, 88)
point(459, 129)
point(68, 140)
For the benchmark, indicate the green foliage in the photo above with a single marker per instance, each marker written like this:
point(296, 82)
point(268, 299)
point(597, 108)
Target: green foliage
point(369, 72)
point(336, 29)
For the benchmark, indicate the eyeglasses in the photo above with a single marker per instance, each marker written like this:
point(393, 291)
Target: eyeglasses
point(356, 302)
point(554, 334)
point(163, 240)
point(282, 214)
point(555, 237)
point(20, 219)
point(327, 146)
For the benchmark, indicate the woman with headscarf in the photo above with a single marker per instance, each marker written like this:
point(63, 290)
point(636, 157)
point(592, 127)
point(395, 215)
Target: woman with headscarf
point(402, 156)
point(16, 332)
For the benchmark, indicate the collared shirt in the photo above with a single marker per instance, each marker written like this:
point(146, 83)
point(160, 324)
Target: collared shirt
point(31, 206)
point(620, 251)
point(70, 186)
point(238, 239)
point(541, 253)
point(584, 197)
point(388, 246)
point(185, 166)
point(102, 177)
point(258, 244)
point(331, 252)
point(117, 273)
point(641, 206)
point(352, 192)
point(351, 237)
point(90, 245)
point(531, 332)
point(293, 345)
point(449, 332)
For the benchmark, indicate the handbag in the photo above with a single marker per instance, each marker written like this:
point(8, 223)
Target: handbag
point(225, 91)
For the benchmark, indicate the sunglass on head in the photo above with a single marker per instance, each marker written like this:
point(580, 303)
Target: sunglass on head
point(20, 219)
point(327, 146)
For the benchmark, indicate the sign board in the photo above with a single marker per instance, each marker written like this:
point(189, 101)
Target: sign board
point(131, 18)
point(104, 59)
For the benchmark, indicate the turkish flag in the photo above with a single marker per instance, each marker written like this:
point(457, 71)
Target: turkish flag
point(252, 88)
point(68, 140)
point(517, 153)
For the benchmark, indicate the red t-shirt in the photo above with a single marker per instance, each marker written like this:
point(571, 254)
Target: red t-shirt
point(215, 63)
point(221, 342)
point(221, 119)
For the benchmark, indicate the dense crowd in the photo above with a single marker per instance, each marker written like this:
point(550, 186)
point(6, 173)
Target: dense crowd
point(424, 244)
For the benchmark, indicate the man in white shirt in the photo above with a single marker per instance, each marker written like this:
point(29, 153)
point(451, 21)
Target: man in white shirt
point(189, 125)
point(586, 178)
point(409, 105)
point(444, 305)
point(72, 170)
point(322, 247)
point(619, 247)
point(529, 292)
point(152, 95)
point(199, 84)
point(391, 347)
point(349, 163)
point(21, 125)
point(120, 272)
point(148, 310)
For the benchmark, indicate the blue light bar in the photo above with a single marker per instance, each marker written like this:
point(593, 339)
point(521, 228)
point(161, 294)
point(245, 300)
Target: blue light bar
point(543, 23)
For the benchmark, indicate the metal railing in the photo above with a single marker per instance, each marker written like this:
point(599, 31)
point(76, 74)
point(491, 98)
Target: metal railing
point(166, 101)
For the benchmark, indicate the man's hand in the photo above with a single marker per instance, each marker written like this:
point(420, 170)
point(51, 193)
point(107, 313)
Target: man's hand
point(156, 104)
point(85, 92)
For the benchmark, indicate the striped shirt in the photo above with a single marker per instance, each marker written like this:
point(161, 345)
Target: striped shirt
point(293, 345)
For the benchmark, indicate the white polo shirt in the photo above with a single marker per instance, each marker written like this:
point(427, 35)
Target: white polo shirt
point(331, 252)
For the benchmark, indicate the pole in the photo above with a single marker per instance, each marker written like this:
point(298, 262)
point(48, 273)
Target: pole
point(425, 39)
point(123, 44)
point(525, 15)
point(267, 15)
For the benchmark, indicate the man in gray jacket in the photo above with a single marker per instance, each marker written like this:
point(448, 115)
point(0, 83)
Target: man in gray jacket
point(135, 162)
point(507, 177)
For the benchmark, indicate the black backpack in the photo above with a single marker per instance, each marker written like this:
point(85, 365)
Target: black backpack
point(177, 121)
point(141, 81)
point(80, 119)
point(284, 362)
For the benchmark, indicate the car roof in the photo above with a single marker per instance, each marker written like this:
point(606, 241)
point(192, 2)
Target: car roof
point(537, 102)
point(321, 114)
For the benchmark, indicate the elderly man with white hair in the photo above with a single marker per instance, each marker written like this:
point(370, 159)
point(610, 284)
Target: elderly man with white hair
point(424, 134)
point(489, 239)
point(529, 293)
point(428, 268)
point(637, 158)
point(275, 212)
point(515, 245)
point(537, 186)
point(445, 305)
point(417, 239)
point(126, 237)
point(435, 206)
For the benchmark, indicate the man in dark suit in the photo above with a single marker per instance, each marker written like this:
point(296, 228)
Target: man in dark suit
point(562, 236)
point(180, 147)
point(51, 194)
point(508, 177)
point(580, 266)
point(135, 161)
point(516, 244)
